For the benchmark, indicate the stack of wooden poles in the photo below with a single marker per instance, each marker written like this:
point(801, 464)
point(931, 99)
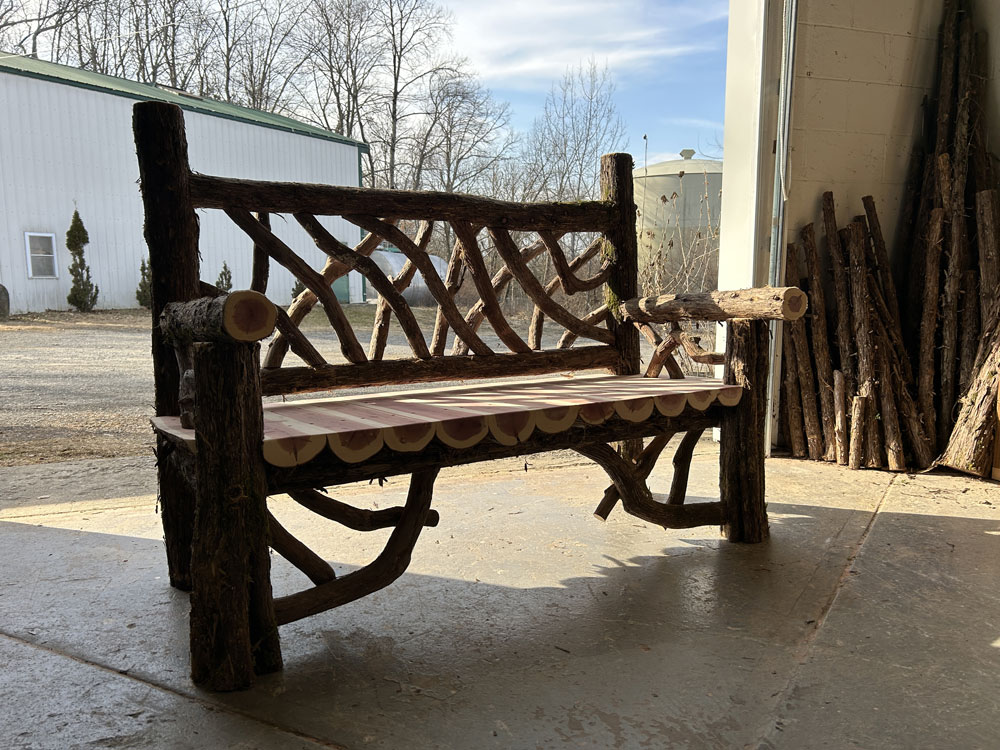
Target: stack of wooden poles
point(848, 383)
point(900, 379)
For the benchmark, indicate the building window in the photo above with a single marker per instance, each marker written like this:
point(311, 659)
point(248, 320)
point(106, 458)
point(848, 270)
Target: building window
point(41, 250)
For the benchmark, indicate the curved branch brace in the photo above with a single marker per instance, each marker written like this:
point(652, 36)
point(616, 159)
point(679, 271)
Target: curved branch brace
point(453, 279)
point(554, 284)
point(386, 568)
point(359, 519)
point(298, 554)
point(595, 317)
point(400, 282)
point(638, 500)
point(500, 280)
point(512, 257)
point(314, 282)
point(570, 282)
point(367, 268)
point(692, 347)
point(663, 354)
point(301, 305)
point(644, 464)
point(434, 284)
point(473, 258)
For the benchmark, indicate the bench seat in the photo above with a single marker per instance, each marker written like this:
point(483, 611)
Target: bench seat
point(357, 427)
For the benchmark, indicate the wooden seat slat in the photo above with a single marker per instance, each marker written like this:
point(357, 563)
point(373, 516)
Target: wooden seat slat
point(631, 397)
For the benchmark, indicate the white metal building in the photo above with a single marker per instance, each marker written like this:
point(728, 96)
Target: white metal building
point(66, 143)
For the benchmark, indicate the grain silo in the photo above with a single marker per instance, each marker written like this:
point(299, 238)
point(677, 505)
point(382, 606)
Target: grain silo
point(679, 204)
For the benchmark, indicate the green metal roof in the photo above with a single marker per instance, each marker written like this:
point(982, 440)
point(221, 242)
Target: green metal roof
point(49, 71)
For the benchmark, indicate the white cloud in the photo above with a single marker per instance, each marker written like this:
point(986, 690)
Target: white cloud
point(525, 44)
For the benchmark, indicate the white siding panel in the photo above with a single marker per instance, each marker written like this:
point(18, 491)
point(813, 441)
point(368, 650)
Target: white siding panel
point(64, 147)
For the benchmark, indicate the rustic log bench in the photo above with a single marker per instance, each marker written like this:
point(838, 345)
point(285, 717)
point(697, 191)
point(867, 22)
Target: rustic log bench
point(222, 450)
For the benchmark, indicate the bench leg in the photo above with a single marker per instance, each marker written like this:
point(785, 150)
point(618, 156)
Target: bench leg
point(741, 448)
point(234, 634)
point(176, 501)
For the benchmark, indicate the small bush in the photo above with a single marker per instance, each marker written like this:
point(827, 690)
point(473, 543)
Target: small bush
point(83, 294)
point(143, 293)
point(297, 289)
point(225, 280)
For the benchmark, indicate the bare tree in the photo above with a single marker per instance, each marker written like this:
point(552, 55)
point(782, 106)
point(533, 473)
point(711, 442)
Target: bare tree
point(578, 124)
point(414, 31)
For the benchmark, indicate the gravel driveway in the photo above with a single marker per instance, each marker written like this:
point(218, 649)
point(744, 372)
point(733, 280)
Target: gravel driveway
point(78, 386)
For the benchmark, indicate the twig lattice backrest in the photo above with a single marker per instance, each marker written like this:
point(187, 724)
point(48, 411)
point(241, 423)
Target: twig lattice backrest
point(250, 204)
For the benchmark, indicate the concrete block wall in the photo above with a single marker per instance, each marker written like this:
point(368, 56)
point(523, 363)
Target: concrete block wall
point(862, 68)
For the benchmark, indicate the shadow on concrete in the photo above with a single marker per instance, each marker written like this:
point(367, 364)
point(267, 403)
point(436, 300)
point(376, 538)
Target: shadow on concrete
point(701, 643)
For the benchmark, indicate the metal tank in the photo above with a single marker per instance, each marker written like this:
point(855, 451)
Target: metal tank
point(679, 205)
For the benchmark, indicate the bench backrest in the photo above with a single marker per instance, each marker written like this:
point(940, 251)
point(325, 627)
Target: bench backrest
point(172, 193)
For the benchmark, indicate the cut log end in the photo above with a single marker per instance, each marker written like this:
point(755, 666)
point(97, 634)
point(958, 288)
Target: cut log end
point(248, 316)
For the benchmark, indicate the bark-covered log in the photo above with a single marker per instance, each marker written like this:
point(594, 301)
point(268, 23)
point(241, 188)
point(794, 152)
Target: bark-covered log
point(233, 629)
point(791, 394)
point(171, 232)
point(920, 443)
point(454, 277)
point(969, 330)
point(895, 454)
point(988, 226)
point(970, 448)
point(764, 303)
point(957, 257)
point(928, 323)
point(328, 200)
point(820, 340)
point(859, 406)
point(741, 450)
point(841, 293)
point(238, 317)
point(840, 412)
point(882, 259)
point(854, 239)
point(359, 519)
point(806, 376)
point(286, 380)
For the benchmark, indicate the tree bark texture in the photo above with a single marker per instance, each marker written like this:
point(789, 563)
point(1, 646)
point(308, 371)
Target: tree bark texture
point(741, 457)
point(841, 293)
point(820, 340)
point(171, 232)
point(234, 634)
point(764, 303)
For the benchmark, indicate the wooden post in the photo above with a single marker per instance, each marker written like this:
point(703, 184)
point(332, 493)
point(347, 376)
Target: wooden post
point(820, 341)
point(234, 634)
point(172, 237)
point(623, 284)
point(840, 412)
point(741, 457)
point(841, 292)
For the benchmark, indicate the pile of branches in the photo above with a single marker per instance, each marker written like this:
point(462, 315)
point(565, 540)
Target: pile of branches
point(909, 387)
point(848, 388)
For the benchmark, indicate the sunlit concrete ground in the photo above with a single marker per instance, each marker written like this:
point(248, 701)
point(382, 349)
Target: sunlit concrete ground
point(871, 619)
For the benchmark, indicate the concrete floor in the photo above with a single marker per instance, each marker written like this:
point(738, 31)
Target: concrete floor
point(871, 619)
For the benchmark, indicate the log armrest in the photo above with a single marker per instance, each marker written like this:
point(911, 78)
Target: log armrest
point(242, 317)
point(762, 303)
point(236, 318)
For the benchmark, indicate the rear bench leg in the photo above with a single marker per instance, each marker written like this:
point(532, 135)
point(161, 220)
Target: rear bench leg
point(234, 633)
point(741, 459)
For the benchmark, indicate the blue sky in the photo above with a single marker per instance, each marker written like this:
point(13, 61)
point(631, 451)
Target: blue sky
point(667, 57)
